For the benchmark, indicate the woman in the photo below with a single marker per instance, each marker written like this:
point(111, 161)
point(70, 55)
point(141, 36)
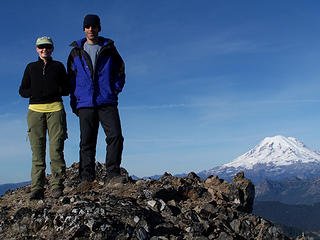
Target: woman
point(44, 82)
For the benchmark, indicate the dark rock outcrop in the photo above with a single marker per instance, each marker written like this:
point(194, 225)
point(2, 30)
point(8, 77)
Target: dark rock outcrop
point(168, 208)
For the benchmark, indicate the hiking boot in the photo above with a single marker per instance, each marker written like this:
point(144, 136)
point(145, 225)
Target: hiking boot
point(85, 186)
point(56, 193)
point(37, 195)
point(116, 178)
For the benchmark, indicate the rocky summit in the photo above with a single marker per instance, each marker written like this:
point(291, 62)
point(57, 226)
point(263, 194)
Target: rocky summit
point(167, 208)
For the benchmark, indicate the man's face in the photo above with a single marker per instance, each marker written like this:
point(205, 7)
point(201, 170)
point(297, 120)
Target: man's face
point(91, 32)
point(44, 51)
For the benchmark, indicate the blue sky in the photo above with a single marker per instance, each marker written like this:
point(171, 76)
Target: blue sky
point(206, 80)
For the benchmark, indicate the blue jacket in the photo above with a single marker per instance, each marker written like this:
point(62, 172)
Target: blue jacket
point(95, 87)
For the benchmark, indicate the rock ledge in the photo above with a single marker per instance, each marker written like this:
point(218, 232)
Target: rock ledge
point(168, 208)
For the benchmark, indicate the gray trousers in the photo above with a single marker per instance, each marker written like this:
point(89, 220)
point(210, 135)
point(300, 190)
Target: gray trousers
point(38, 125)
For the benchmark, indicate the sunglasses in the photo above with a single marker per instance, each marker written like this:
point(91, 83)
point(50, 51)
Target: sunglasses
point(93, 26)
point(47, 46)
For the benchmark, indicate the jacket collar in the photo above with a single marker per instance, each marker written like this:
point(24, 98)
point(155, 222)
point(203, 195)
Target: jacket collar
point(42, 62)
point(79, 43)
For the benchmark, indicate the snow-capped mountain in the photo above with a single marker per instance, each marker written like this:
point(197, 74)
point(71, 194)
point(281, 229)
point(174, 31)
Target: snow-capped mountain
point(276, 151)
point(274, 158)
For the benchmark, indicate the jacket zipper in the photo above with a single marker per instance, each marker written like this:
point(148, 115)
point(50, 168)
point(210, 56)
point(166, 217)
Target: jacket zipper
point(86, 55)
point(103, 48)
point(44, 69)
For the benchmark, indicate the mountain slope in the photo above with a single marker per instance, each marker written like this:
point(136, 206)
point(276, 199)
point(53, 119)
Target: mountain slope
point(275, 158)
point(292, 219)
point(292, 191)
point(11, 186)
point(305, 217)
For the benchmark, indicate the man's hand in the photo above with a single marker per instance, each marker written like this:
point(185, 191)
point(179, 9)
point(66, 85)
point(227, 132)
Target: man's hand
point(76, 112)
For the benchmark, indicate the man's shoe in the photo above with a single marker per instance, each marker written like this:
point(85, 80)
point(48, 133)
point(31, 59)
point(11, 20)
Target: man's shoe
point(37, 195)
point(116, 178)
point(85, 186)
point(56, 193)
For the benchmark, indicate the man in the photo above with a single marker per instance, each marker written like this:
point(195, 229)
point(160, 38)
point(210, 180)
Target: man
point(44, 82)
point(96, 75)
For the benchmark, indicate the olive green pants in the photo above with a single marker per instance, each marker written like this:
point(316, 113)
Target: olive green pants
point(56, 125)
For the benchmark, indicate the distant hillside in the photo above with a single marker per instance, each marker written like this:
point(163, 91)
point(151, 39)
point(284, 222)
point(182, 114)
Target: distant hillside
point(297, 233)
point(292, 191)
point(304, 217)
point(11, 186)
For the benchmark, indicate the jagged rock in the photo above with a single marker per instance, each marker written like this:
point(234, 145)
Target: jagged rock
point(171, 208)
